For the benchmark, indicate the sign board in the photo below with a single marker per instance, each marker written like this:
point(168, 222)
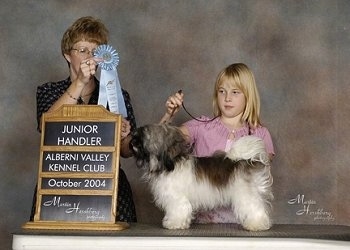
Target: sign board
point(78, 170)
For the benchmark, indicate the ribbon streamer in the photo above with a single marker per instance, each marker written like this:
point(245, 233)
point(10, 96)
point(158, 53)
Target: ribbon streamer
point(110, 89)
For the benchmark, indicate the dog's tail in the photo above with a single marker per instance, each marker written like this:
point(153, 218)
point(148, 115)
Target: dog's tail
point(249, 148)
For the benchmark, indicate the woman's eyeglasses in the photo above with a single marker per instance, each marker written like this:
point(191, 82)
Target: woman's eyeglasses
point(84, 51)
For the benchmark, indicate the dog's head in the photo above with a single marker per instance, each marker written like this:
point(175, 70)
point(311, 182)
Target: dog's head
point(158, 148)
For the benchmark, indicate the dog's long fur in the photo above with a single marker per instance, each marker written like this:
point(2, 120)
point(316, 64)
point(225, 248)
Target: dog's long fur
point(181, 183)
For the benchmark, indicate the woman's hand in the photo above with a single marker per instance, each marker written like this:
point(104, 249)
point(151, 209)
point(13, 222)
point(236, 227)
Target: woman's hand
point(125, 150)
point(125, 131)
point(87, 69)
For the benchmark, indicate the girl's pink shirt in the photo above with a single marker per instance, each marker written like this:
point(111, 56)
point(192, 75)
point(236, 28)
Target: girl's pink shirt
point(211, 136)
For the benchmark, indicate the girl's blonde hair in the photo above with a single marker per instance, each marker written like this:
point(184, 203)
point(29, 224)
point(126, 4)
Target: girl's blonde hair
point(87, 29)
point(240, 76)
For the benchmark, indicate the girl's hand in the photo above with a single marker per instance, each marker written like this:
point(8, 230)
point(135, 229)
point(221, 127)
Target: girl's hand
point(174, 102)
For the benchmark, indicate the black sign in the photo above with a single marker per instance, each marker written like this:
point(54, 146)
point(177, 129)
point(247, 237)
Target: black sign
point(78, 171)
point(77, 162)
point(84, 208)
point(77, 183)
point(79, 133)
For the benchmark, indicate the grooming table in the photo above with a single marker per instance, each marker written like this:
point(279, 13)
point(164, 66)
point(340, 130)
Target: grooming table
point(210, 236)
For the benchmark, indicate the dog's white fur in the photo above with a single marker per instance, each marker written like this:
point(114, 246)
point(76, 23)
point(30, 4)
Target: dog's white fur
point(180, 186)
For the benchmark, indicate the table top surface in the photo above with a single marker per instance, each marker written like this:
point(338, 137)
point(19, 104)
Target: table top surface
point(328, 232)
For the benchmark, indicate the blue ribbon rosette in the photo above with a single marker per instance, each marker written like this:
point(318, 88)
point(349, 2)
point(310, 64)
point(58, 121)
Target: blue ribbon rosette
point(110, 89)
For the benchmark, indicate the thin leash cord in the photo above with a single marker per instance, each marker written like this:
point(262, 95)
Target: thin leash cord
point(183, 105)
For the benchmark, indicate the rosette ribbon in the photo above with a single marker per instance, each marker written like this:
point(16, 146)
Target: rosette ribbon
point(110, 90)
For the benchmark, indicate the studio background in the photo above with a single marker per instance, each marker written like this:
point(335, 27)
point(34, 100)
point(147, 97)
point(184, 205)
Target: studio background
point(298, 51)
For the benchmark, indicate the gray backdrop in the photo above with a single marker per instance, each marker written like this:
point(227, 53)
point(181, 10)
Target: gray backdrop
point(298, 50)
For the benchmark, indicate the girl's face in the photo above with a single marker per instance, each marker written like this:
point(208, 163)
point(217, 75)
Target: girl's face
point(80, 51)
point(231, 100)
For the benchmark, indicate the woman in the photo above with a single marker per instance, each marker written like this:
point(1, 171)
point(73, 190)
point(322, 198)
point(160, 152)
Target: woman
point(81, 87)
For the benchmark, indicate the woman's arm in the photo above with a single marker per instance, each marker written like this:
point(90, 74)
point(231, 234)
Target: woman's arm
point(125, 150)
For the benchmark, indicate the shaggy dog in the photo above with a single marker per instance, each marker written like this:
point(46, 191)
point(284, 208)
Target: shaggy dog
point(182, 183)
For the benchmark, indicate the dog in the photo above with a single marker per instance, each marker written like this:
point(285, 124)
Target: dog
point(182, 183)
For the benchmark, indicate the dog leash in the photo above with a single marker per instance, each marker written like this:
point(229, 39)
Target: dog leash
point(212, 119)
point(183, 106)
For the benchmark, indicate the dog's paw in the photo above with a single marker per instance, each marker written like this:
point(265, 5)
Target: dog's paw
point(176, 224)
point(257, 223)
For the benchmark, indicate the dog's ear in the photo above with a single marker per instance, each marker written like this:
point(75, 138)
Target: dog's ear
point(176, 150)
point(140, 153)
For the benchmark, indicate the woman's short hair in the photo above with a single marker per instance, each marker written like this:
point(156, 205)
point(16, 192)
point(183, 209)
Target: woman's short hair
point(87, 29)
